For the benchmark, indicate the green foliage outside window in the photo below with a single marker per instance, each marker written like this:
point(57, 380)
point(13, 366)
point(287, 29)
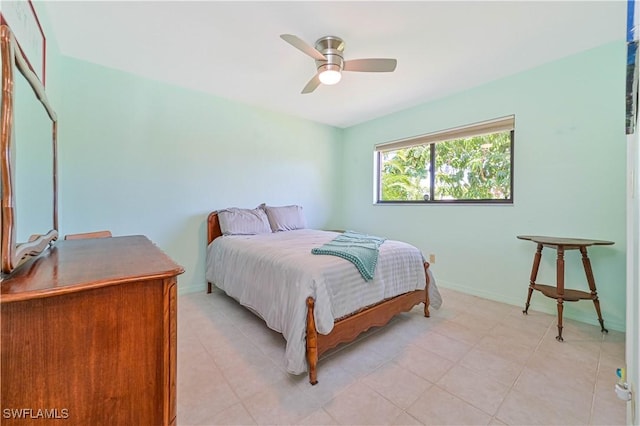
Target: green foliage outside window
point(405, 173)
point(473, 168)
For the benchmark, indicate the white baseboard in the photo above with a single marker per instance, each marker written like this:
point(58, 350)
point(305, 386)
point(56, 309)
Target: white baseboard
point(545, 308)
point(577, 316)
point(191, 288)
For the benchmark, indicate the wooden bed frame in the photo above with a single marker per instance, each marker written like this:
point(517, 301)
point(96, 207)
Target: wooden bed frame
point(345, 329)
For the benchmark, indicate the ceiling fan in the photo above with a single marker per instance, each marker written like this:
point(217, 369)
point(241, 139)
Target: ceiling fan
point(328, 53)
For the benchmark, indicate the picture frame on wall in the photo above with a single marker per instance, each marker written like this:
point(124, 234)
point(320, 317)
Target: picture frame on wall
point(21, 17)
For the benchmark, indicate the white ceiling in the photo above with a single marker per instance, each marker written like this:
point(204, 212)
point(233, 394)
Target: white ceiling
point(233, 49)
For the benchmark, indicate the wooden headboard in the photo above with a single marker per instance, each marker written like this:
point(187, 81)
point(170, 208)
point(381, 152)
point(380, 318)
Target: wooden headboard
point(213, 227)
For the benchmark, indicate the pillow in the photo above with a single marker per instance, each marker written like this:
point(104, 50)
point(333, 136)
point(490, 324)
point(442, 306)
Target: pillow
point(235, 221)
point(285, 218)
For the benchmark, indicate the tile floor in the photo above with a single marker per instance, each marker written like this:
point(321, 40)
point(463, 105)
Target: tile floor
point(475, 361)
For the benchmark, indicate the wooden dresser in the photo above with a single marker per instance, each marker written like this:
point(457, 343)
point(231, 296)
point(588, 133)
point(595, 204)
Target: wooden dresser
point(89, 335)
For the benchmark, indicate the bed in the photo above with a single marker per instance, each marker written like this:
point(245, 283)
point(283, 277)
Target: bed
point(312, 317)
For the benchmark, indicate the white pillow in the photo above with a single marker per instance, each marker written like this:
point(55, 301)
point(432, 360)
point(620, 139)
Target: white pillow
point(235, 221)
point(285, 218)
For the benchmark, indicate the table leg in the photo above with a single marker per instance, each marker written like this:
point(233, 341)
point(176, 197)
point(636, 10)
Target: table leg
point(533, 276)
point(560, 289)
point(592, 286)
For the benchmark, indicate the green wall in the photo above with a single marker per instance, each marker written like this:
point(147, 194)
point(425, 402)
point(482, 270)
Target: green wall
point(569, 180)
point(142, 157)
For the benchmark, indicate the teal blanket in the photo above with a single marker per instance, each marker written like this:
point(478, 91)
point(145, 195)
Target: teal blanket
point(359, 249)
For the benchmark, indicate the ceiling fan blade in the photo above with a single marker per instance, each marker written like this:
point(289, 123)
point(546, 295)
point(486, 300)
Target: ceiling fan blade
point(370, 65)
point(302, 46)
point(312, 84)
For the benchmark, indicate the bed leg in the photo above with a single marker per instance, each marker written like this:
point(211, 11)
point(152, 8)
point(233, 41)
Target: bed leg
point(426, 290)
point(208, 287)
point(312, 343)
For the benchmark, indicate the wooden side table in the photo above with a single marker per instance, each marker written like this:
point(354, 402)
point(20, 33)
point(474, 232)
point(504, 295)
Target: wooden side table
point(558, 291)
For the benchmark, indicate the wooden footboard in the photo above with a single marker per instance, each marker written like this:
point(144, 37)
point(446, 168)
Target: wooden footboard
point(350, 327)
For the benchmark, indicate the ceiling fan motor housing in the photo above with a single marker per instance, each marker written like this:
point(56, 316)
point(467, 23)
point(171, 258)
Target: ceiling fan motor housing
point(332, 48)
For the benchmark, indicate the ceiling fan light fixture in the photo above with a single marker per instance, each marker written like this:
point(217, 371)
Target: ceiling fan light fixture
point(329, 58)
point(329, 74)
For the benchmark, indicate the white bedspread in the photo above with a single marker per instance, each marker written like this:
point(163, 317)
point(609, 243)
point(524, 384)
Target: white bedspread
point(273, 274)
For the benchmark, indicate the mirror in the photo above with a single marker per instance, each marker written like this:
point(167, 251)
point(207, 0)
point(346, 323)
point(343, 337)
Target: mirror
point(28, 170)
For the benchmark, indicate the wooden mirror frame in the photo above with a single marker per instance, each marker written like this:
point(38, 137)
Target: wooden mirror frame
point(14, 253)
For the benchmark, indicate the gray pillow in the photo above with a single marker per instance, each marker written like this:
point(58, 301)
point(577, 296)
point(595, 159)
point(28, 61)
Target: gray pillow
point(235, 221)
point(285, 218)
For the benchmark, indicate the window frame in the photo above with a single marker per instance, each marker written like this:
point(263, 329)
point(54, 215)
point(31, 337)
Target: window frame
point(497, 125)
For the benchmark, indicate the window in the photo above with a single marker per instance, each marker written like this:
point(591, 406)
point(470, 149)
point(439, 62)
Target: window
point(467, 164)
